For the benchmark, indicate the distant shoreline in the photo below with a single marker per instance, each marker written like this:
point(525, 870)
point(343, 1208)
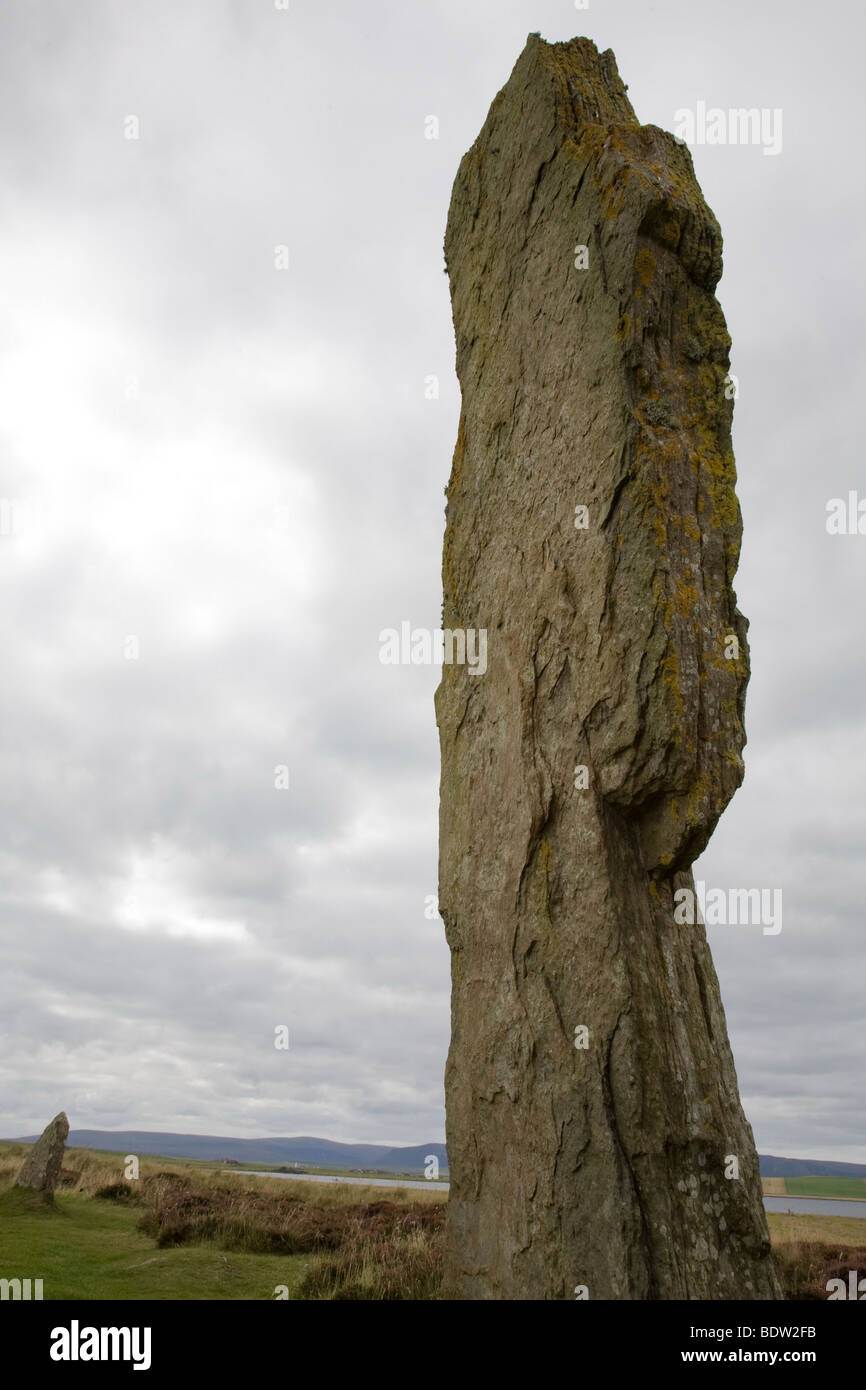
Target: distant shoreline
point(431, 1184)
point(811, 1197)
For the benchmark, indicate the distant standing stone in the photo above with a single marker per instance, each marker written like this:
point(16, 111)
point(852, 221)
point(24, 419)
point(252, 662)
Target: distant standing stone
point(41, 1167)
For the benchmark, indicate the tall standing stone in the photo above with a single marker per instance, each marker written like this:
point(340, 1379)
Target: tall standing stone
point(595, 1135)
point(41, 1168)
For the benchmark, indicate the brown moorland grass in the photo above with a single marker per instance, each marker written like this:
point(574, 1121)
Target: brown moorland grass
point(374, 1248)
point(809, 1250)
point(362, 1246)
point(804, 1268)
point(774, 1187)
point(409, 1268)
point(276, 1222)
point(96, 1169)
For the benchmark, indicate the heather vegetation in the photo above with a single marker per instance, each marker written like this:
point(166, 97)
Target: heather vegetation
point(185, 1230)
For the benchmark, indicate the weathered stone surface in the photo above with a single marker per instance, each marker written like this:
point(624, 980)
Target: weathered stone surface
point(41, 1168)
point(611, 648)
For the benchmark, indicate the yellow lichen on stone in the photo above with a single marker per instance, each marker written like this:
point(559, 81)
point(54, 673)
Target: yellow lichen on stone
point(698, 794)
point(685, 597)
point(662, 600)
point(670, 669)
point(645, 265)
point(721, 480)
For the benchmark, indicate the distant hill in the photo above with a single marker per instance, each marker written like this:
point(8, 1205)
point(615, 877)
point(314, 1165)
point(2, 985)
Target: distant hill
point(327, 1153)
point(317, 1153)
point(772, 1167)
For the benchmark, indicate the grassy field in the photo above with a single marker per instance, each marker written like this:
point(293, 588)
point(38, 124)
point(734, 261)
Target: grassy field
point(417, 1175)
point(86, 1248)
point(845, 1188)
point(370, 1174)
point(185, 1231)
point(839, 1232)
point(826, 1187)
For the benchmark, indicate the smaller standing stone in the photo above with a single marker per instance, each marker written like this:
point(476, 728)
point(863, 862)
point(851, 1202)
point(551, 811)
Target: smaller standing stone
point(41, 1167)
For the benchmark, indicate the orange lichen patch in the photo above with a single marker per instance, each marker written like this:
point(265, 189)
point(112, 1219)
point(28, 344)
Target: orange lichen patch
point(732, 552)
point(662, 601)
point(671, 233)
point(613, 196)
point(708, 324)
point(698, 795)
point(730, 710)
point(670, 669)
point(710, 378)
point(685, 597)
point(576, 60)
point(721, 481)
point(541, 871)
point(644, 265)
point(610, 171)
point(705, 412)
point(656, 463)
point(737, 669)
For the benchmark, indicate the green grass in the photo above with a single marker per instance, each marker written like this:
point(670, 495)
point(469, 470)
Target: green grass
point(184, 1231)
point(83, 1248)
point(219, 1234)
point(826, 1187)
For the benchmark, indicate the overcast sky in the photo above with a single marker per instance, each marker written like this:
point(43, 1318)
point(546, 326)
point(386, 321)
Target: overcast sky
point(233, 469)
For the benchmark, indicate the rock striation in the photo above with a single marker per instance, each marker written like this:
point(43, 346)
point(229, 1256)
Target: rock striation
point(596, 1141)
point(41, 1168)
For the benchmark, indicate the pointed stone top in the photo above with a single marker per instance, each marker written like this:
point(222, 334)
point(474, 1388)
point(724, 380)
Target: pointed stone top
point(591, 91)
point(41, 1168)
